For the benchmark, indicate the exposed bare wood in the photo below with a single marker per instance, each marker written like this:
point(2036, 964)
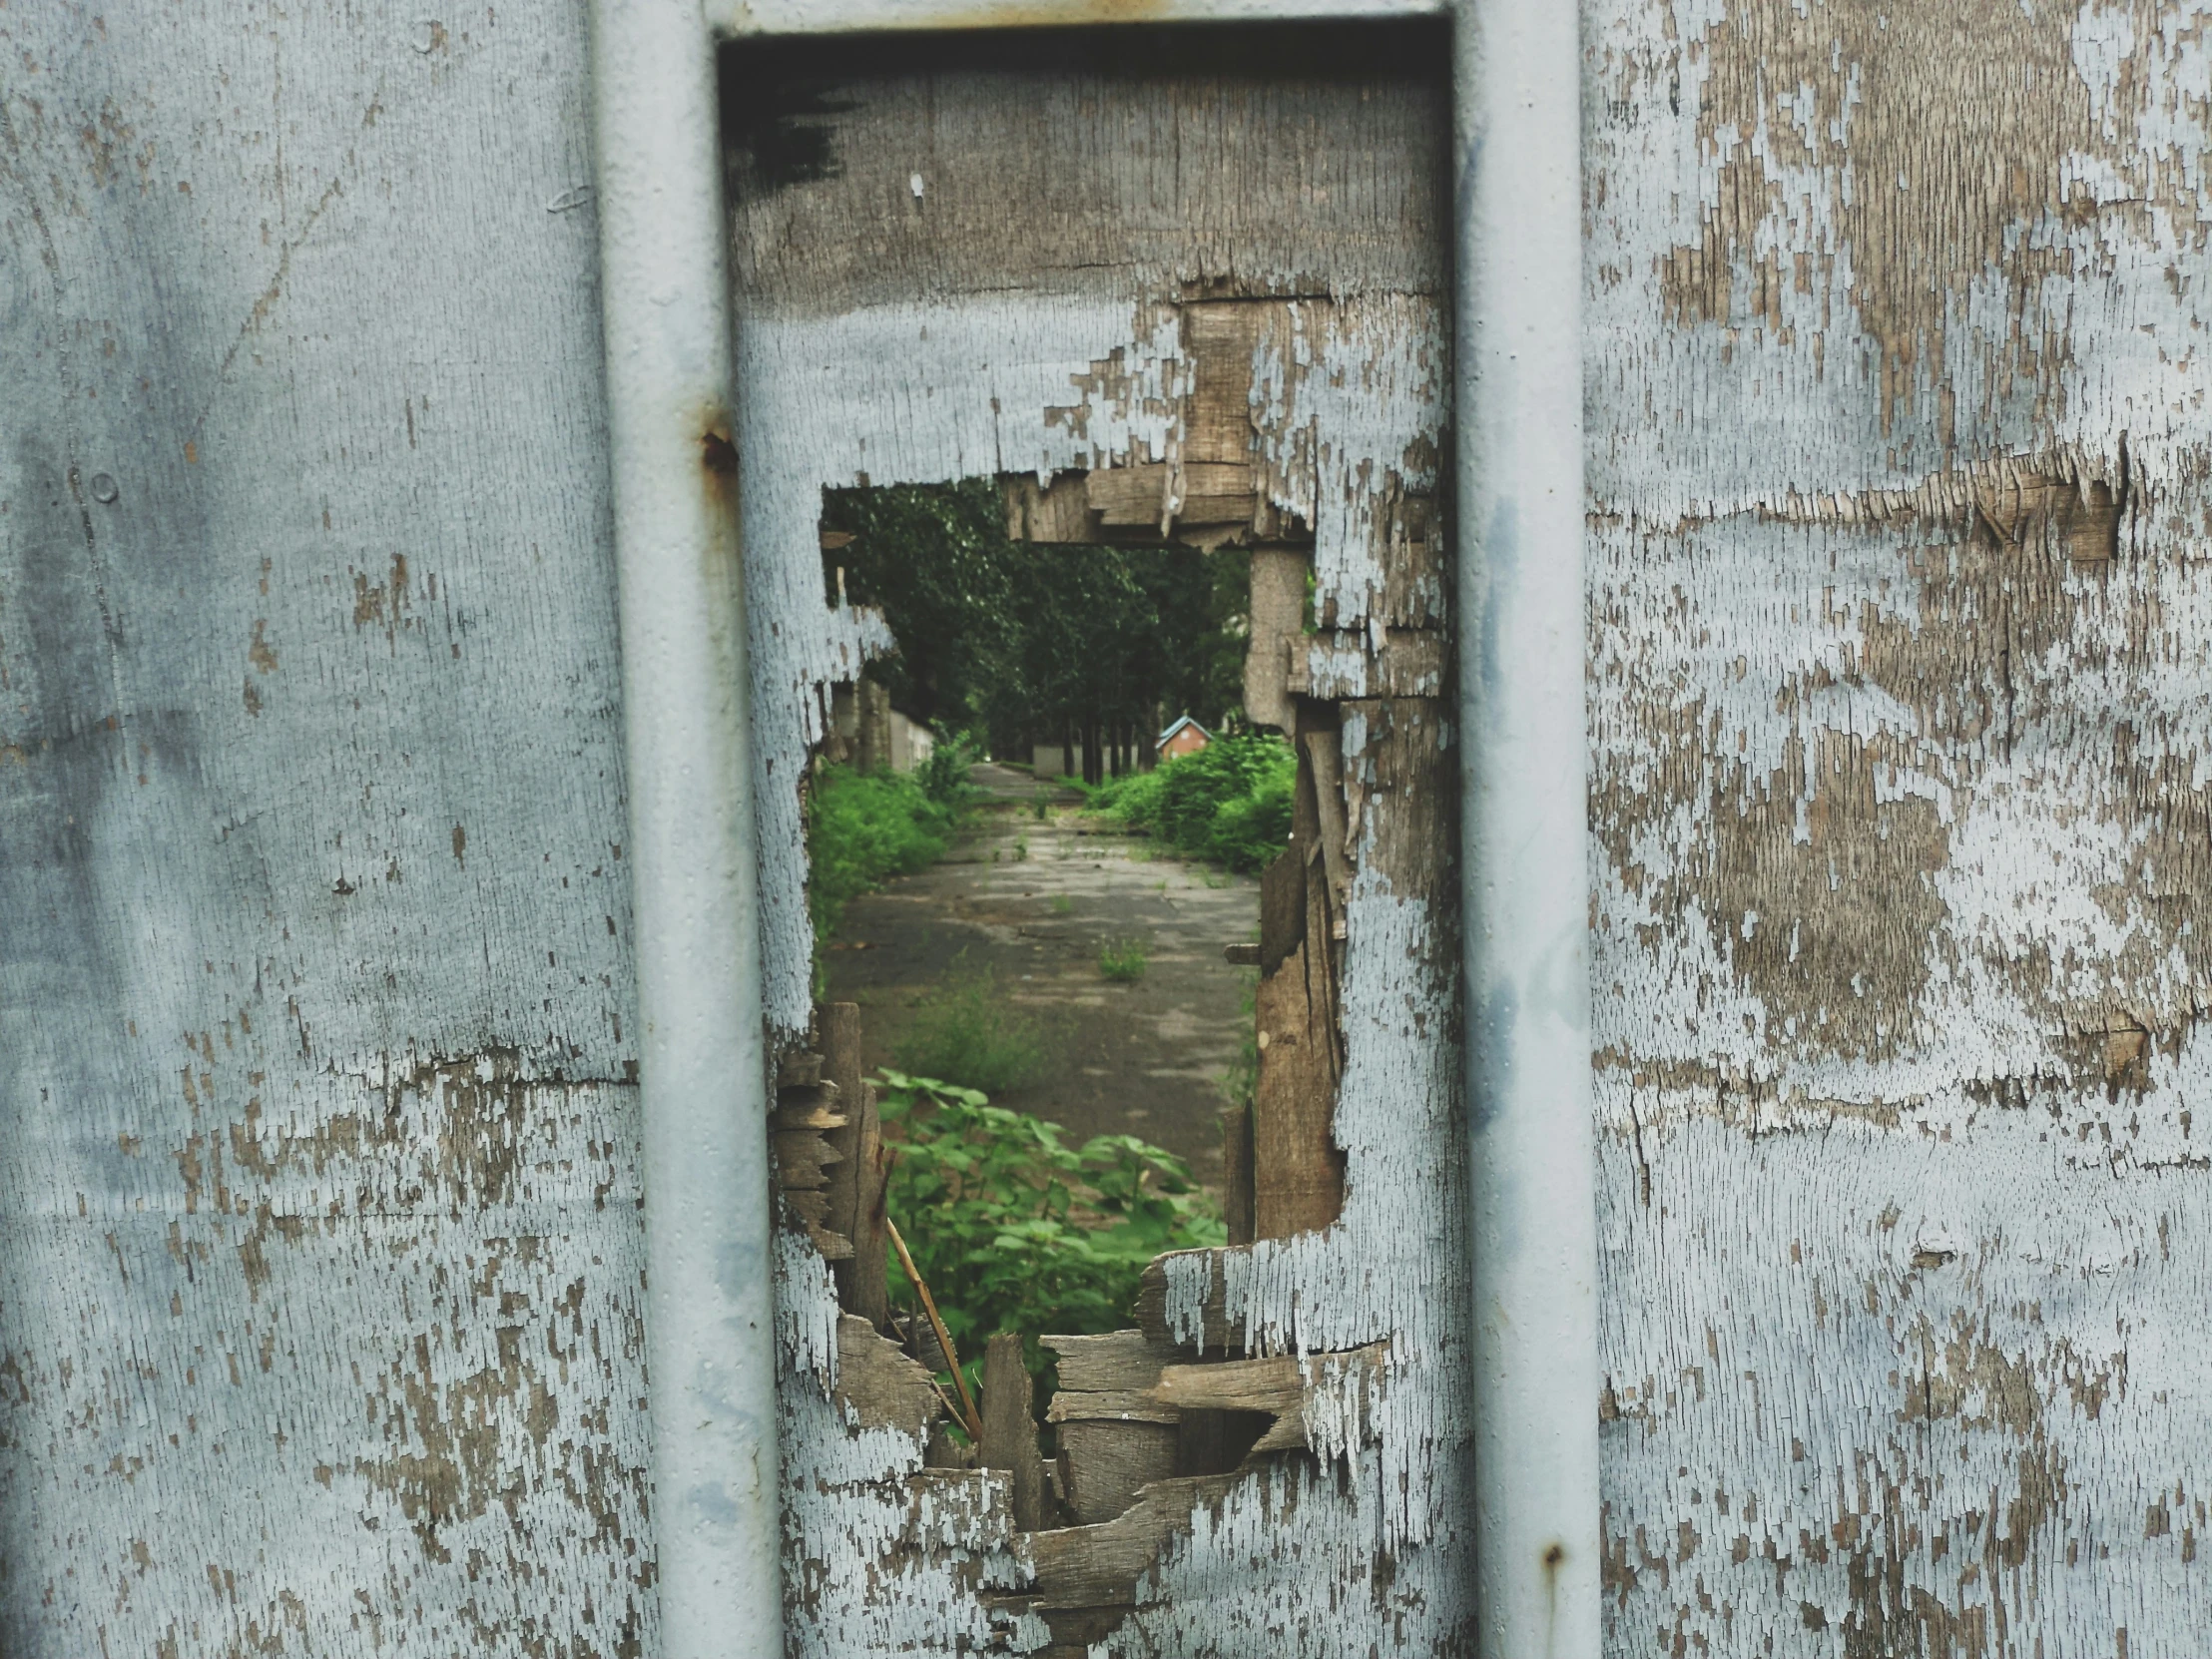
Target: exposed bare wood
point(1009, 1438)
point(871, 1258)
point(1116, 1359)
point(803, 1158)
point(1276, 619)
point(1217, 1332)
point(1281, 907)
point(1363, 140)
point(1236, 1171)
point(1109, 1405)
point(837, 1025)
point(1411, 663)
point(879, 1387)
point(1102, 1565)
point(1321, 746)
point(1274, 1385)
point(1106, 1461)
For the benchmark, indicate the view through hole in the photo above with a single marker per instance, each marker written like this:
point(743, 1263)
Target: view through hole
point(1035, 830)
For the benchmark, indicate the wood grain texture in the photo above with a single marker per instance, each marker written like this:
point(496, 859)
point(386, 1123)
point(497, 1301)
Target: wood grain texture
point(319, 1243)
point(1900, 740)
point(1136, 158)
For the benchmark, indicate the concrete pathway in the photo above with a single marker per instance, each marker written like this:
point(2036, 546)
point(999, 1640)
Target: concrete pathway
point(1029, 900)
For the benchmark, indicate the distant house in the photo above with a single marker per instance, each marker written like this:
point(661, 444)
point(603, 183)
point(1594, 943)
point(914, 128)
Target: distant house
point(1185, 737)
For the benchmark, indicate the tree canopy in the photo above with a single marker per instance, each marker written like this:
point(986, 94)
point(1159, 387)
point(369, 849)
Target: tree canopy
point(1023, 642)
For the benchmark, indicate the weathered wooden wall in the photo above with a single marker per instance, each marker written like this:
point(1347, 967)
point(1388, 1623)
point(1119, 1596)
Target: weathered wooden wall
point(319, 1248)
point(1012, 262)
point(1897, 441)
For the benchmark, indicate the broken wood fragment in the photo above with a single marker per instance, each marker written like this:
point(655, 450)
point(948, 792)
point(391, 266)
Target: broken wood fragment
point(1099, 1565)
point(878, 1386)
point(1110, 1406)
point(870, 1295)
point(1216, 1334)
point(1278, 613)
point(1237, 1173)
point(838, 1025)
point(1009, 1438)
point(1130, 1360)
point(1104, 1464)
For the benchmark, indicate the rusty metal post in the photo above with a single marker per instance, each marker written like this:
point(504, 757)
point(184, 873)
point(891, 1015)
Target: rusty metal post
point(1525, 874)
point(686, 706)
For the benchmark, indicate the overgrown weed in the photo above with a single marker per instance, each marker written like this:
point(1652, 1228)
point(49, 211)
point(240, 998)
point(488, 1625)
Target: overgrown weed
point(1122, 960)
point(969, 1031)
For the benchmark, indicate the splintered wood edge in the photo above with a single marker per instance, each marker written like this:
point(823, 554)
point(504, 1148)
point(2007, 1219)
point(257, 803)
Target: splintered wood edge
point(1101, 1565)
point(878, 1384)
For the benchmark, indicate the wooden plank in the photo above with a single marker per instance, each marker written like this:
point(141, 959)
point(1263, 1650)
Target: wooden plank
point(1109, 1405)
point(1236, 1171)
point(1009, 1438)
point(1216, 1334)
point(1114, 1360)
point(1100, 1565)
point(1410, 833)
point(878, 1386)
point(1297, 1168)
point(870, 1292)
point(1277, 615)
point(1129, 496)
point(837, 1027)
point(1103, 1464)
point(1411, 663)
point(1321, 746)
point(1056, 512)
point(1275, 1384)
point(802, 1161)
point(1063, 168)
point(1282, 909)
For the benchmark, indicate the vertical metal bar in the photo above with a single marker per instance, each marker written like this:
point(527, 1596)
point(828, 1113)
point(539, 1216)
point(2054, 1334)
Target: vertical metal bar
point(1526, 879)
point(709, 1334)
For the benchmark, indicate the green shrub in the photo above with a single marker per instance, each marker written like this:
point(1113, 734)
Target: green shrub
point(1229, 801)
point(1015, 1231)
point(969, 1031)
point(943, 776)
point(862, 828)
point(1122, 959)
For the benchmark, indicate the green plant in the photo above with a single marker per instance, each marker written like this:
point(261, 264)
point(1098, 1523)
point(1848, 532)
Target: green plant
point(1021, 848)
point(1039, 808)
point(1229, 801)
point(1016, 1231)
point(944, 776)
point(862, 828)
point(1122, 960)
point(967, 1030)
point(1062, 906)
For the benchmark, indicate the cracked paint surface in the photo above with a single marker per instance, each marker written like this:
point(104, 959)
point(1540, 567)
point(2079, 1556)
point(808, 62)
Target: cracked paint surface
point(1895, 393)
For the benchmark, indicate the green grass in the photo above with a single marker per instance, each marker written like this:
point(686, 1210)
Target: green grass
point(1229, 803)
point(1062, 904)
point(1122, 960)
point(967, 1030)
